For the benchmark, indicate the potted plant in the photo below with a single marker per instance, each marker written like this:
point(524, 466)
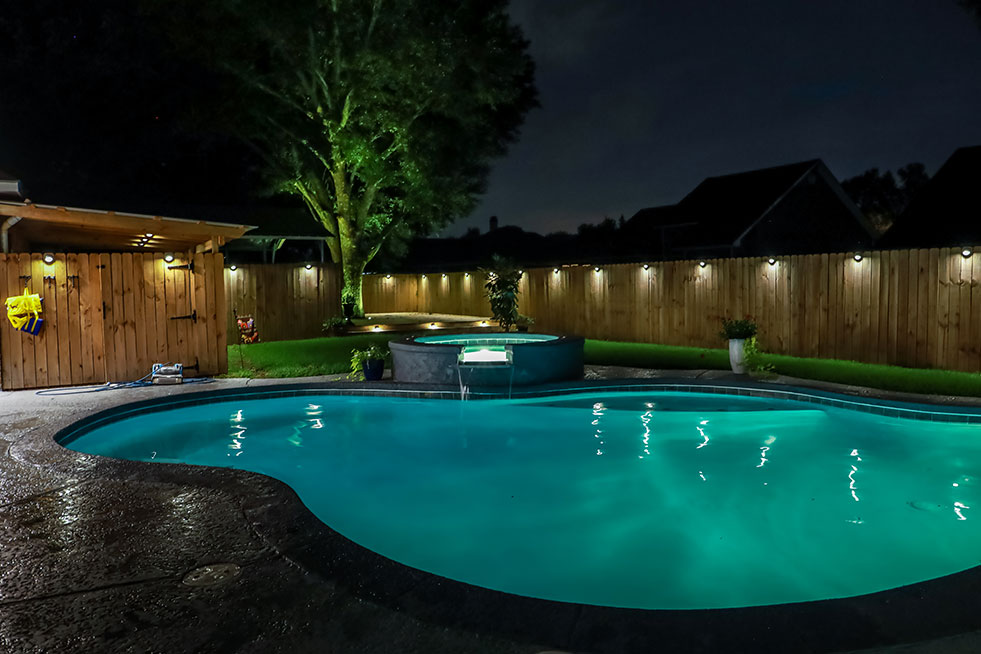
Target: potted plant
point(737, 331)
point(333, 326)
point(524, 322)
point(501, 289)
point(348, 302)
point(368, 364)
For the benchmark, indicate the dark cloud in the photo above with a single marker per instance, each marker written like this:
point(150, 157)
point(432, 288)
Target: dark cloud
point(641, 100)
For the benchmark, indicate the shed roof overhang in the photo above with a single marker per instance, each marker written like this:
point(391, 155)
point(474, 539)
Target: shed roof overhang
point(66, 228)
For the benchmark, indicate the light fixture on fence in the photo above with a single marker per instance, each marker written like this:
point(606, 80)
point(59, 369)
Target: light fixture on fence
point(771, 261)
point(555, 271)
point(703, 264)
point(388, 276)
point(596, 269)
point(466, 275)
point(858, 256)
point(966, 252)
point(308, 266)
point(444, 275)
point(48, 258)
point(520, 273)
point(169, 258)
point(647, 266)
point(232, 267)
point(148, 235)
point(424, 277)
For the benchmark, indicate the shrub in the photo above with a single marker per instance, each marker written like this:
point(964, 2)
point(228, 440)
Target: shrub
point(745, 328)
point(501, 289)
point(358, 357)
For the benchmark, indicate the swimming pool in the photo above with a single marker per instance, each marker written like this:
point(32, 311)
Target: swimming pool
point(640, 499)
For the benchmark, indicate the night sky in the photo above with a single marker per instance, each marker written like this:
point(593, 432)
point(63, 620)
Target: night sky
point(642, 100)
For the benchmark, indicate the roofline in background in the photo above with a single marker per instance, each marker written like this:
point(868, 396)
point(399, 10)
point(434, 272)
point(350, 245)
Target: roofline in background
point(738, 241)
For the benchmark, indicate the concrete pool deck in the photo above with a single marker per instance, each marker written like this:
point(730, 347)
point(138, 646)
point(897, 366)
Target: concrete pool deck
point(93, 553)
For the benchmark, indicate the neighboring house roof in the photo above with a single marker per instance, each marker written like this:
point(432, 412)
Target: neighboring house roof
point(10, 186)
point(722, 210)
point(945, 212)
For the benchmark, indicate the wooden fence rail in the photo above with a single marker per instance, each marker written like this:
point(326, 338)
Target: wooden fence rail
point(917, 308)
point(109, 317)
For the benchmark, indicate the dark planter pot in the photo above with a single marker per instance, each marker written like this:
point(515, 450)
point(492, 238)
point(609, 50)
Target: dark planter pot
point(522, 328)
point(348, 309)
point(373, 369)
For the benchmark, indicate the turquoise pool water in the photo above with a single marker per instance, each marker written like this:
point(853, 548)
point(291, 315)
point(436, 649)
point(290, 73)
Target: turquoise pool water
point(644, 500)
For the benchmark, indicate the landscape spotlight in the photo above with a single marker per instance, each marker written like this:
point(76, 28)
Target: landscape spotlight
point(232, 267)
point(858, 256)
point(169, 258)
point(483, 323)
point(432, 325)
point(771, 261)
point(521, 272)
point(966, 252)
point(48, 258)
point(702, 263)
point(308, 266)
point(376, 328)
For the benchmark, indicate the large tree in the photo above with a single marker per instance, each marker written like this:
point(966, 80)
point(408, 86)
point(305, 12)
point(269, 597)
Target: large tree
point(878, 195)
point(383, 116)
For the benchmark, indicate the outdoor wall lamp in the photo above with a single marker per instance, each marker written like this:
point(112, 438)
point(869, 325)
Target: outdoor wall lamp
point(966, 252)
point(858, 256)
point(444, 275)
point(169, 258)
point(308, 266)
point(703, 264)
point(48, 258)
point(596, 269)
point(556, 271)
point(388, 276)
point(424, 277)
point(232, 267)
point(771, 261)
point(647, 266)
point(466, 275)
point(520, 273)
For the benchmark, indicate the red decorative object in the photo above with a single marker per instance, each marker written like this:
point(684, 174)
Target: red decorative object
point(247, 332)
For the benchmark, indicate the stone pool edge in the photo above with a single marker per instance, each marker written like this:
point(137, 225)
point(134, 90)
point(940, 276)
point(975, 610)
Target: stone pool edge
point(926, 610)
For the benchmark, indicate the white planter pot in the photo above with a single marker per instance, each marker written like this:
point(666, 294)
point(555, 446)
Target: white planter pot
point(736, 355)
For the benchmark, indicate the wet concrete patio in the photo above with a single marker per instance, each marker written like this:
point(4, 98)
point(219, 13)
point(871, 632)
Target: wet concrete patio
point(94, 553)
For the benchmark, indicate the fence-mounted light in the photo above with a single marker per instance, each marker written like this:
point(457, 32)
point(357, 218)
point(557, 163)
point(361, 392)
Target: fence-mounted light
point(702, 264)
point(444, 275)
point(858, 256)
point(48, 258)
point(521, 272)
point(169, 258)
point(232, 267)
point(308, 266)
point(556, 271)
point(596, 269)
point(388, 276)
point(771, 261)
point(966, 252)
point(424, 277)
point(647, 266)
point(466, 275)
point(148, 235)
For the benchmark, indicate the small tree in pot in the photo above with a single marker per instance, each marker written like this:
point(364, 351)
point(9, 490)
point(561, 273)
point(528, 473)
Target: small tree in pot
point(501, 289)
point(737, 331)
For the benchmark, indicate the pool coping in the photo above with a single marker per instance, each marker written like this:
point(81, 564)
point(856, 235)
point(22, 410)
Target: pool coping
point(931, 609)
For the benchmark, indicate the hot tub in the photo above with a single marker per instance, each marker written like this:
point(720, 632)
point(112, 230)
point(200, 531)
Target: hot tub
point(510, 359)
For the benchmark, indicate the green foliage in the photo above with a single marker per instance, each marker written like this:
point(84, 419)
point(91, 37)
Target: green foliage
point(358, 357)
point(745, 328)
point(754, 360)
point(501, 289)
point(383, 117)
point(524, 321)
point(332, 325)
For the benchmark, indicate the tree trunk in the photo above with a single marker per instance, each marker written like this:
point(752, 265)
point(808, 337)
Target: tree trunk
point(352, 272)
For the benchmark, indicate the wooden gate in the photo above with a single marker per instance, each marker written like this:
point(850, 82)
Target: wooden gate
point(109, 317)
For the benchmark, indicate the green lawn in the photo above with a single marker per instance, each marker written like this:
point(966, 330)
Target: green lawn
point(322, 356)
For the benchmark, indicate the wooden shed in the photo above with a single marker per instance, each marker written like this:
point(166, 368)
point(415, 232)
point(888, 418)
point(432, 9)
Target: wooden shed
point(119, 292)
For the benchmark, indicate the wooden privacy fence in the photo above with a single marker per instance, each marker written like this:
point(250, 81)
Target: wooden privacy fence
point(917, 308)
point(109, 317)
point(286, 300)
